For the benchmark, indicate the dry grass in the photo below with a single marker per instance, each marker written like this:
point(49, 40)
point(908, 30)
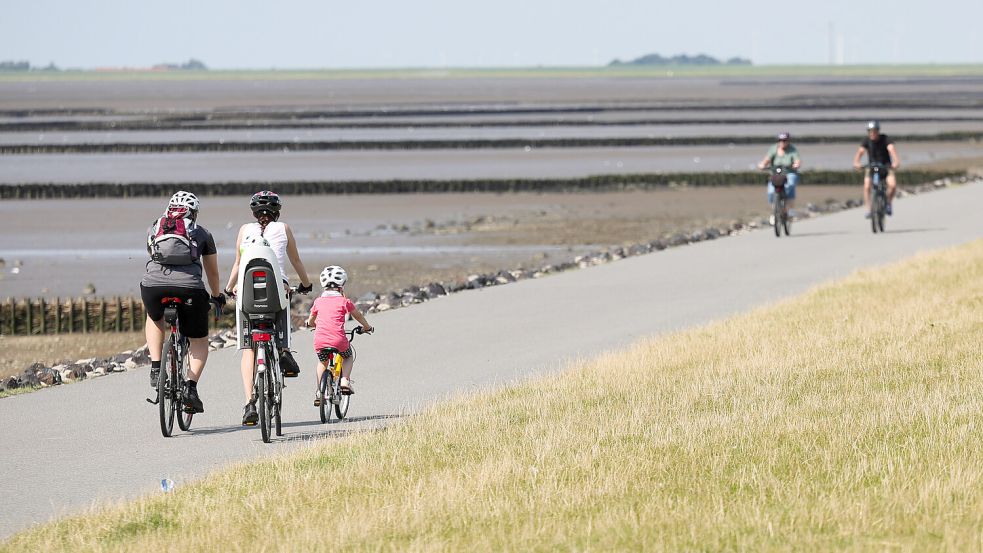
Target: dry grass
point(847, 419)
point(20, 351)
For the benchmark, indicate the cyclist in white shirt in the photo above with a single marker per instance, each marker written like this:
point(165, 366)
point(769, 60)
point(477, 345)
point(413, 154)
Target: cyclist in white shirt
point(265, 206)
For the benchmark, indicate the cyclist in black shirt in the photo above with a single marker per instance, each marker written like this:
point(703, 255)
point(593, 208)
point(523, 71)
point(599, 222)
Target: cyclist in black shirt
point(879, 149)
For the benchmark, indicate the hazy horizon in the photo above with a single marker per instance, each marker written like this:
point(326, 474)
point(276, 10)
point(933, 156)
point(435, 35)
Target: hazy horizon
point(307, 34)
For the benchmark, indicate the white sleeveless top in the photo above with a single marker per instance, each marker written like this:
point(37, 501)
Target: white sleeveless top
point(276, 235)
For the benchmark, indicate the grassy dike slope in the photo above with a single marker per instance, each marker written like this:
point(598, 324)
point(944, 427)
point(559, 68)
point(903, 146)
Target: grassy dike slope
point(847, 419)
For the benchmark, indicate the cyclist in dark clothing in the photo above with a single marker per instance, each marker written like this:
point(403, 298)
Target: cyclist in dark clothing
point(879, 149)
point(184, 281)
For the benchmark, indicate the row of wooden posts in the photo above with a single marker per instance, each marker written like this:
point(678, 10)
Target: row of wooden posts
point(72, 315)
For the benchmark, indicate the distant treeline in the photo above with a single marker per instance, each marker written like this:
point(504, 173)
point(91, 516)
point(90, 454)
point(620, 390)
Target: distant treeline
point(25, 66)
point(680, 59)
point(190, 65)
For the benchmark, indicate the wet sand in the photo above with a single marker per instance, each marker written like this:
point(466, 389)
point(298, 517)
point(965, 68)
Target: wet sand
point(387, 241)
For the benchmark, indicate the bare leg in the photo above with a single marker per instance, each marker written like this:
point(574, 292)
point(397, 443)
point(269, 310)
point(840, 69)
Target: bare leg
point(154, 331)
point(198, 348)
point(246, 368)
point(892, 184)
point(319, 373)
point(867, 193)
point(346, 367)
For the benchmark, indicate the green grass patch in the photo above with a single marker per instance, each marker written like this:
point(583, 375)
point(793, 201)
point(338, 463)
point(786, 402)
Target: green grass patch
point(846, 419)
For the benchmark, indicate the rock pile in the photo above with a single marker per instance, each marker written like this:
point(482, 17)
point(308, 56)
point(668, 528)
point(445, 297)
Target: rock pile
point(38, 375)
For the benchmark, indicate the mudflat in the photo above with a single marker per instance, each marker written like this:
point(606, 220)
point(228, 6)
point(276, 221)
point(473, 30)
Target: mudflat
point(388, 241)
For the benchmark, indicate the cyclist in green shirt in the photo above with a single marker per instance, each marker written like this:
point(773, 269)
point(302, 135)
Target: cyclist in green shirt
point(783, 154)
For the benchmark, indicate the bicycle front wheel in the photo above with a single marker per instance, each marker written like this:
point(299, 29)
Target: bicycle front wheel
point(779, 204)
point(167, 389)
point(881, 212)
point(341, 408)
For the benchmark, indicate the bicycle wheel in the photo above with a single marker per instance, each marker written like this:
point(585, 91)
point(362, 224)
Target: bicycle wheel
point(183, 417)
point(166, 389)
point(341, 408)
point(325, 390)
point(875, 207)
point(881, 211)
point(263, 405)
point(779, 205)
point(276, 401)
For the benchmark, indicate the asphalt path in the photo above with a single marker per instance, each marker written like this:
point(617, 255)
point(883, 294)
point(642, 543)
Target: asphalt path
point(450, 164)
point(69, 447)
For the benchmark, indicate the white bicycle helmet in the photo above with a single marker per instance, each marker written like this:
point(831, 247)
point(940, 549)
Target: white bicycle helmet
point(184, 199)
point(333, 275)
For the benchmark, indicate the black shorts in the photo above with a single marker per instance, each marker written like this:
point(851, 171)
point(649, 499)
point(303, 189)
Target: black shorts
point(192, 314)
point(324, 353)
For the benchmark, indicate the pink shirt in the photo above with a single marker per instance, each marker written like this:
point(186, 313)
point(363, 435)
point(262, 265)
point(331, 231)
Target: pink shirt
point(330, 311)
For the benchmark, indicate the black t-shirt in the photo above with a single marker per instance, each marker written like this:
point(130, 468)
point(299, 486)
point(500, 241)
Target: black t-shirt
point(877, 149)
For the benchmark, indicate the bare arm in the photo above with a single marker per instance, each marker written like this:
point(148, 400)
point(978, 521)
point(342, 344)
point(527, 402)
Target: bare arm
point(294, 256)
point(358, 316)
point(895, 160)
point(210, 263)
point(234, 277)
point(856, 158)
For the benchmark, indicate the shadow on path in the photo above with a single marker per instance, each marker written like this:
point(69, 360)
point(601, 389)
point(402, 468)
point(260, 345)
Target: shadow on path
point(907, 230)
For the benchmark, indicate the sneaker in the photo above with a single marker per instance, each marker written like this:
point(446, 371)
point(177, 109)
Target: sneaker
point(192, 403)
point(346, 387)
point(317, 399)
point(288, 364)
point(154, 375)
point(249, 415)
point(888, 209)
point(771, 220)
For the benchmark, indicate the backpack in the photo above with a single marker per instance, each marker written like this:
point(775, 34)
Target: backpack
point(170, 241)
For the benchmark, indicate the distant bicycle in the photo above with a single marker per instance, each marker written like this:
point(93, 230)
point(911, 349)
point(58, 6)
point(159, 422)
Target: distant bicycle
point(782, 221)
point(330, 385)
point(173, 373)
point(878, 195)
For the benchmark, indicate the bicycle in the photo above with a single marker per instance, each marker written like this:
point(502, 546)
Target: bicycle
point(878, 195)
point(173, 373)
point(329, 387)
point(267, 374)
point(778, 179)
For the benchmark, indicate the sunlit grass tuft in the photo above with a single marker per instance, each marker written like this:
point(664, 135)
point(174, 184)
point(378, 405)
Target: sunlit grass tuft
point(847, 419)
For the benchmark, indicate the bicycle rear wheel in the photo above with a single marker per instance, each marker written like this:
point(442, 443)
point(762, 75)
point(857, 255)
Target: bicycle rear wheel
point(166, 389)
point(324, 389)
point(183, 417)
point(263, 405)
point(276, 402)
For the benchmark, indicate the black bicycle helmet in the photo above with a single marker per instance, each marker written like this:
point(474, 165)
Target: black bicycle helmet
point(267, 201)
point(873, 125)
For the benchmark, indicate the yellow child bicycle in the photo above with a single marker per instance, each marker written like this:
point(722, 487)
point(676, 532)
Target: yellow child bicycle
point(329, 389)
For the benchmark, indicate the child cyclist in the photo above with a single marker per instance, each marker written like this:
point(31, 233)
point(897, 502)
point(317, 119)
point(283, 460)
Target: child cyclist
point(328, 314)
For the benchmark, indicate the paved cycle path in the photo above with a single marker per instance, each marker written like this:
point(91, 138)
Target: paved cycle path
point(68, 447)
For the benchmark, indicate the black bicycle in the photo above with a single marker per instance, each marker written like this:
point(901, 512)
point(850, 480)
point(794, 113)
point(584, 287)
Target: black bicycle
point(878, 195)
point(173, 373)
point(778, 179)
point(267, 379)
point(329, 389)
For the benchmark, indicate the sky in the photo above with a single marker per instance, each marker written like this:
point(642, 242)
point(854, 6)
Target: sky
point(289, 34)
